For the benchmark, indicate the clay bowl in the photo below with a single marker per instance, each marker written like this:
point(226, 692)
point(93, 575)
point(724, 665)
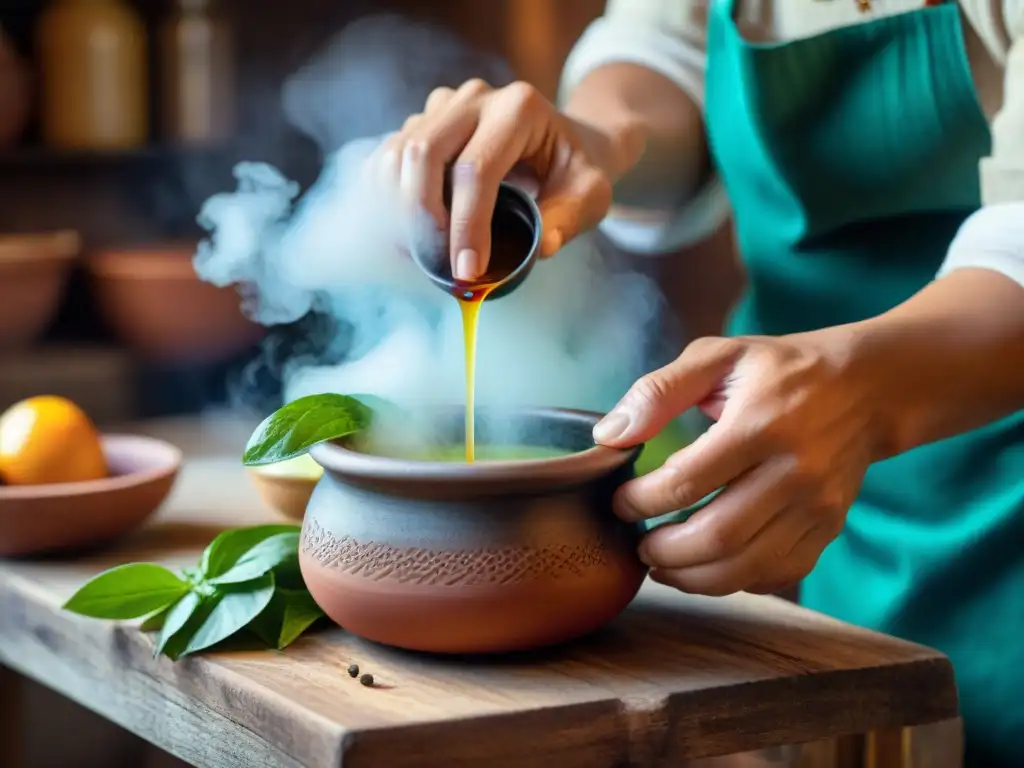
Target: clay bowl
point(288, 486)
point(34, 270)
point(488, 557)
point(153, 301)
point(50, 518)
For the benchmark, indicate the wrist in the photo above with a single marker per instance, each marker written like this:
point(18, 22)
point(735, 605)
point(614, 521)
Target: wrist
point(614, 145)
point(867, 366)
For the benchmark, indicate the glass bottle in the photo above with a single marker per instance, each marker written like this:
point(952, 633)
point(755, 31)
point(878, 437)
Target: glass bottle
point(15, 92)
point(92, 59)
point(198, 74)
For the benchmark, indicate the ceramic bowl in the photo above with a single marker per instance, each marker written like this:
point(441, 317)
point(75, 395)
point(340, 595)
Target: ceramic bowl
point(288, 486)
point(40, 519)
point(153, 301)
point(488, 557)
point(34, 270)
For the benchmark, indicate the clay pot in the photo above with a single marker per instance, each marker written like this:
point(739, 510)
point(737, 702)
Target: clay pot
point(155, 304)
point(15, 93)
point(488, 557)
point(34, 270)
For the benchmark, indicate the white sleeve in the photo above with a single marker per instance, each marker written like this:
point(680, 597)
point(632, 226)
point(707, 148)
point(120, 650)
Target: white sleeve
point(993, 237)
point(668, 37)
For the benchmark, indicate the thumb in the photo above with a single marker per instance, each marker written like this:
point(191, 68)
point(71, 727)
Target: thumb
point(662, 395)
point(572, 204)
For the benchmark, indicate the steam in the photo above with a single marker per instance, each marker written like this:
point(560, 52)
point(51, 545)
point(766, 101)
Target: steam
point(573, 335)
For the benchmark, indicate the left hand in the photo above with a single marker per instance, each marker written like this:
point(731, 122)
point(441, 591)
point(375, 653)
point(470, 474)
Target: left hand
point(793, 438)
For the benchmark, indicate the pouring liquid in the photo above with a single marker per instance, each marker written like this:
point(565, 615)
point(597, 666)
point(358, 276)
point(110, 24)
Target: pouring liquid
point(470, 323)
point(511, 241)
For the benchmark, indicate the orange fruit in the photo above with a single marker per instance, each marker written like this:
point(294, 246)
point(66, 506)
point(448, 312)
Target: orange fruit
point(49, 439)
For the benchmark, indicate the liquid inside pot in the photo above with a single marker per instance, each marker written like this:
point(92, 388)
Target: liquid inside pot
point(501, 436)
point(456, 453)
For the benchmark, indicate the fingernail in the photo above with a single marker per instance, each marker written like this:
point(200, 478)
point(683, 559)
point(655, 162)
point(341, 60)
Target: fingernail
point(611, 427)
point(467, 265)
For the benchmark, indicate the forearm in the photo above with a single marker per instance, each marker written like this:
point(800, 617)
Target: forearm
point(948, 360)
point(655, 149)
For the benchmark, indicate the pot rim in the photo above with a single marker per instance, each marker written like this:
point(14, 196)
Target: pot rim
point(531, 475)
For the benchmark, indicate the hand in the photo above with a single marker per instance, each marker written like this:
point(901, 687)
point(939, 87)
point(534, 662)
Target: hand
point(793, 438)
point(485, 133)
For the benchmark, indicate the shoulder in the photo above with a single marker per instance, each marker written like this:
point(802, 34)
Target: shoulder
point(999, 23)
point(672, 15)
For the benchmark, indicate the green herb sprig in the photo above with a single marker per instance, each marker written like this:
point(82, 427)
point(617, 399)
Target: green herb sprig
point(248, 579)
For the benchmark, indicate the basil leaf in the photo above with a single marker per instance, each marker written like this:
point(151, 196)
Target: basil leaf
point(290, 613)
point(175, 647)
point(233, 611)
point(296, 427)
point(264, 557)
point(177, 617)
point(225, 550)
point(127, 592)
point(301, 612)
point(154, 621)
point(288, 575)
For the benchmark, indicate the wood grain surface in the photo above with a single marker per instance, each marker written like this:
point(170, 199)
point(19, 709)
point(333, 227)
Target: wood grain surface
point(675, 678)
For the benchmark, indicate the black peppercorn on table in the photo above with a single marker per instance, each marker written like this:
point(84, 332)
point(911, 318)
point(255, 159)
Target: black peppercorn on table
point(675, 679)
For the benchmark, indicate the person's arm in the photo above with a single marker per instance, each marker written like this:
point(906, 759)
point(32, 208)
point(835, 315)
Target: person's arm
point(637, 76)
point(952, 357)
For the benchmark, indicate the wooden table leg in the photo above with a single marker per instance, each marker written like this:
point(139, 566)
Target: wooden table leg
point(937, 745)
point(12, 719)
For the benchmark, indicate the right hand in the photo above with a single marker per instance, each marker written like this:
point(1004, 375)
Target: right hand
point(483, 134)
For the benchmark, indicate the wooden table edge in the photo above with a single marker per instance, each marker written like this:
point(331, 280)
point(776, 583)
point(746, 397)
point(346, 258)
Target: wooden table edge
point(637, 729)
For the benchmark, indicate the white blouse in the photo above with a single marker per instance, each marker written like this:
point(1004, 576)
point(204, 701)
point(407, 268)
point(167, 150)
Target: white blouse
point(668, 36)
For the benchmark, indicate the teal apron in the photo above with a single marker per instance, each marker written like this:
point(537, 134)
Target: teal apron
point(851, 158)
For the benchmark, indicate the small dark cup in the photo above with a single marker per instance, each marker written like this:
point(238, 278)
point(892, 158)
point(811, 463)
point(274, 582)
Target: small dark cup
point(488, 557)
point(515, 243)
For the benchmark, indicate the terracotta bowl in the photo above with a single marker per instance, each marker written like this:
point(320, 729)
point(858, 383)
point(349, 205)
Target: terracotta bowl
point(287, 487)
point(152, 299)
point(488, 557)
point(34, 270)
point(47, 518)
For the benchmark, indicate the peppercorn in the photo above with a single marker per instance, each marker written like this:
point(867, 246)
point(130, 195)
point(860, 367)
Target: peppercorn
point(367, 680)
point(353, 670)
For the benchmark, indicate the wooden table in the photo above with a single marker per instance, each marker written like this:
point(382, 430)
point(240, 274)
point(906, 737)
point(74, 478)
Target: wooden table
point(675, 678)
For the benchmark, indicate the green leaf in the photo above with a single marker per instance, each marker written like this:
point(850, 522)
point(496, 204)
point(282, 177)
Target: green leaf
point(290, 613)
point(226, 550)
point(262, 558)
point(296, 427)
point(154, 621)
point(175, 647)
point(177, 617)
point(233, 611)
point(127, 592)
point(300, 614)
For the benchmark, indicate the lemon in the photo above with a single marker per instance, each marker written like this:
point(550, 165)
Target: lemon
point(49, 439)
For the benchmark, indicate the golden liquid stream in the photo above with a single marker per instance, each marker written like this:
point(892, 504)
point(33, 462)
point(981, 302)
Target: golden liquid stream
point(470, 323)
